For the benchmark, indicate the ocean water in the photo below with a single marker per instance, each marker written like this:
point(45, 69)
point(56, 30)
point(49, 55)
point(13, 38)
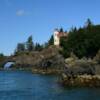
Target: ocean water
point(20, 85)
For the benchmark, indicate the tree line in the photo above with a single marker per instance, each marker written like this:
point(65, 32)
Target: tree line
point(29, 45)
point(83, 42)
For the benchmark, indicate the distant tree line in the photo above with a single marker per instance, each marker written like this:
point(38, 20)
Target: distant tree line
point(2, 58)
point(28, 46)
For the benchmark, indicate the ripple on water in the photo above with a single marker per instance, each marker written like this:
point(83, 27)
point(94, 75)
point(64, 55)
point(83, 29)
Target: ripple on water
point(17, 85)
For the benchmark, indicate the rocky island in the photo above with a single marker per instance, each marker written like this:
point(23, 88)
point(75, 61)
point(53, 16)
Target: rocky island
point(74, 55)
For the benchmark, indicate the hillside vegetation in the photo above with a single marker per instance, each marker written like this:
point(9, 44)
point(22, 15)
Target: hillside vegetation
point(83, 42)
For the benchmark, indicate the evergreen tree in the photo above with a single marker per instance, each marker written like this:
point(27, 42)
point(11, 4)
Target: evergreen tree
point(88, 23)
point(83, 42)
point(51, 40)
point(20, 47)
point(61, 30)
point(2, 58)
point(1, 55)
point(38, 47)
point(29, 44)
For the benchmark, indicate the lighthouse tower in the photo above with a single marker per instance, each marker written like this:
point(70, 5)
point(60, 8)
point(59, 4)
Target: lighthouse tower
point(56, 37)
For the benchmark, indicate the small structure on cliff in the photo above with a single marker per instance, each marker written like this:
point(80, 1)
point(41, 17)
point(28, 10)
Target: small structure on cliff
point(57, 35)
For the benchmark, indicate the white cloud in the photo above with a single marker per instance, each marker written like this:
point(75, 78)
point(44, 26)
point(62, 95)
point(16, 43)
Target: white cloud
point(20, 12)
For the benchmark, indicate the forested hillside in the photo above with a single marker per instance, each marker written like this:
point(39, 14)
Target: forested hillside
point(83, 42)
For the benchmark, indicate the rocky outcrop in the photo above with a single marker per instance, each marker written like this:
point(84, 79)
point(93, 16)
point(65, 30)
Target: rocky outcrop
point(81, 80)
point(81, 72)
point(49, 58)
point(80, 66)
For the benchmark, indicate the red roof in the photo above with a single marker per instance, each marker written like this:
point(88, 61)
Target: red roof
point(61, 34)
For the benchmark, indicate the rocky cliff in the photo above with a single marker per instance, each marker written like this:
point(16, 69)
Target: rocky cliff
point(49, 58)
point(82, 72)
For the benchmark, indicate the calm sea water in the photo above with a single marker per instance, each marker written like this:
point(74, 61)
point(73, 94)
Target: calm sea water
point(17, 85)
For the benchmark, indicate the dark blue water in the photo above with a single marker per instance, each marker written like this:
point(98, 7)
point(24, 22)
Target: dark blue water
point(17, 85)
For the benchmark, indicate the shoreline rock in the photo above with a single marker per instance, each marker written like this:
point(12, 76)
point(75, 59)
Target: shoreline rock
point(47, 72)
point(75, 71)
point(81, 81)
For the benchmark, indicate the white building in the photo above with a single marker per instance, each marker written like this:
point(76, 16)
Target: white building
point(57, 36)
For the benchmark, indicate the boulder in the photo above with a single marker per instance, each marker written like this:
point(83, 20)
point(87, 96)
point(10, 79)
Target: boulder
point(80, 67)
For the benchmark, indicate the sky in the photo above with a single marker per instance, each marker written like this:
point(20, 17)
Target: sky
point(21, 18)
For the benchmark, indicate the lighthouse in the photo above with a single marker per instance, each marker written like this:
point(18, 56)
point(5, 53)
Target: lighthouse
point(56, 37)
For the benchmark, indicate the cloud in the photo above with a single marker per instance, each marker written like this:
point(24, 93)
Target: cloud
point(20, 12)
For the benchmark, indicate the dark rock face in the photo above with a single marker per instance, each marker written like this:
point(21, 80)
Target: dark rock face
point(55, 62)
point(80, 70)
point(81, 67)
point(49, 58)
